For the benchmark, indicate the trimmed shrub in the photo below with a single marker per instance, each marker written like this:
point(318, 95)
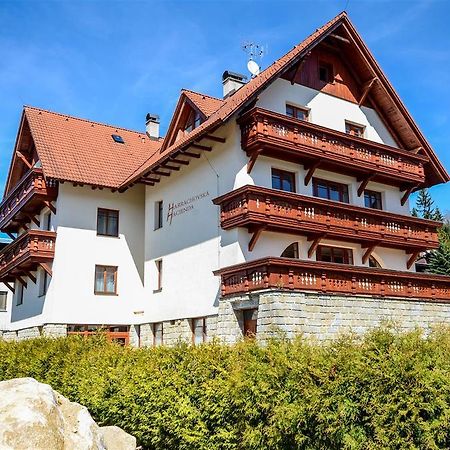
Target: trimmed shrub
point(387, 390)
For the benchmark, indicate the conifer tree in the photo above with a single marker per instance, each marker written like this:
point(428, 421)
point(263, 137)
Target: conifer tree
point(440, 258)
point(424, 205)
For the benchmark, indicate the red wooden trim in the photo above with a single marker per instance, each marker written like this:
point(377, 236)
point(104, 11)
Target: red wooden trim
point(252, 160)
point(366, 89)
point(315, 244)
point(294, 274)
point(190, 154)
point(412, 259)
point(364, 184)
point(255, 237)
point(201, 147)
point(24, 160)
point(221, 140)
point(368, 253)
point(311, 169)
point(47, 268)
point(407, 194)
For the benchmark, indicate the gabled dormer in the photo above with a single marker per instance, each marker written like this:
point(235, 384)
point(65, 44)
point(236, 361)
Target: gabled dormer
point(191, 111)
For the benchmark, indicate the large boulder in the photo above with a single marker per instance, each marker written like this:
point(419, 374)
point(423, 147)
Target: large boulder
point(35, 417)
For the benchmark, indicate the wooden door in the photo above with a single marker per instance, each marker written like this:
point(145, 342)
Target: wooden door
point(250, 318)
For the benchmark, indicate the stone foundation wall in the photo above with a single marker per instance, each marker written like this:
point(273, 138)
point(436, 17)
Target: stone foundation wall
point(54, 330)
point(325, 317)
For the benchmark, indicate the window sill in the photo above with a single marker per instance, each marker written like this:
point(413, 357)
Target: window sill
point(108, 235)
point(110, 294)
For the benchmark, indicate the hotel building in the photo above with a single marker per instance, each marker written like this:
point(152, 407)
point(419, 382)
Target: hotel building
point(281, 207)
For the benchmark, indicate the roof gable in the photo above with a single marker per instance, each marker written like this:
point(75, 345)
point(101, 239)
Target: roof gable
point(79, 150)
point(386, 101)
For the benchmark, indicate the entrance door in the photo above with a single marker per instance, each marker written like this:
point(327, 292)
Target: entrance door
point(250, 317)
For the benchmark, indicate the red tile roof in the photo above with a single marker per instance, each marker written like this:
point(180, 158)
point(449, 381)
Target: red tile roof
point(205, 103)
point(82, 151)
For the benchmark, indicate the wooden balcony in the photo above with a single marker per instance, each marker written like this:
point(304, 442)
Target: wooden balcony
point(257, 208)
point(26, 200)
point(268, 133)
point(328, 278)
point(23, 255)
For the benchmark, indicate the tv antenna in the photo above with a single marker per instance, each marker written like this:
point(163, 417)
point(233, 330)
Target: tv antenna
point(255, 53)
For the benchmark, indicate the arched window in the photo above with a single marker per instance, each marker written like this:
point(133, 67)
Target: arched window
point(291, 251)
point(373, 262)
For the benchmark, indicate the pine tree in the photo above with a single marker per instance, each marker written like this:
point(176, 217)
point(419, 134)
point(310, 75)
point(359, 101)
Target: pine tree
point(424, 205)
point(440, 258)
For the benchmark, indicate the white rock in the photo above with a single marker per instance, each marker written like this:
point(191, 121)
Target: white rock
point(34, 417)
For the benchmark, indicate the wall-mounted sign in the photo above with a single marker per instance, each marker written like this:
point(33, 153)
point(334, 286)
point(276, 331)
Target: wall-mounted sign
point(176, 209)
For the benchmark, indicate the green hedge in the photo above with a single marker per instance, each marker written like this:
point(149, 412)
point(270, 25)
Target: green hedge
point(387, 391)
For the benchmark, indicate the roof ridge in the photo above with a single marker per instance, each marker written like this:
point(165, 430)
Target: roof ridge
point(81, 119)
point(203, 95)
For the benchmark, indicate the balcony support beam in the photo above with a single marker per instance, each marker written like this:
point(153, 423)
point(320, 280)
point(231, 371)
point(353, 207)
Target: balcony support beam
point(50, 206)
point(368, 253)
point(255, 237)
point(311, 169)
point(31, 277)
point(316, 241)
point(170, 167)
point(46, 267)
point(34, 220)
point(11, 235)
point(252, 160)
point(407, 194)
point(412, 259)
point(179, 161)
point(11, 288)
point(364, 183)
point(158, 172)
point(22, 282)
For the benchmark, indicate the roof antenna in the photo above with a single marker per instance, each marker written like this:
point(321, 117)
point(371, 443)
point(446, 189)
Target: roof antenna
point(255, 52)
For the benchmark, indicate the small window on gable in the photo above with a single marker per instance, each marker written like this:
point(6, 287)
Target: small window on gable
point(19, 293)
point(354, 129)
point(158, 214)
point(194, 120)
point(43, 282)
point(297, 113)
point(326, 73)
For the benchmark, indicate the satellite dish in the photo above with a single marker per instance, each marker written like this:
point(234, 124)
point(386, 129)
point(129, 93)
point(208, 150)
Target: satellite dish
point(253, 67)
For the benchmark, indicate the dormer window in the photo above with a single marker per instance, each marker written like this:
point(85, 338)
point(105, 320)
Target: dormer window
point(297, 112)
point(354, 129)
point(326, 73)
point(194, 120)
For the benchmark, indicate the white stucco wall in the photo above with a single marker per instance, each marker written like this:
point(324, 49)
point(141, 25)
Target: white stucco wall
point(70, 297)
point(326, 110)
point(5, 316)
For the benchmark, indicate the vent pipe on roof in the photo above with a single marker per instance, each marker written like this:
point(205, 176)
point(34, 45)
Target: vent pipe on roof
point(152, 126)
point(232, 82)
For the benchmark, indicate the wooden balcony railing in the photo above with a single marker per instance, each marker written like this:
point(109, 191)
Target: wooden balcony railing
point(272, 134)
point(26, 252)
point(329, 278)
point(254, 206)
point(26, 199)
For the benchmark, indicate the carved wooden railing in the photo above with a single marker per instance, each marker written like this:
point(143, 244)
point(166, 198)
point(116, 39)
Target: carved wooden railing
point(28, 250)
point(32, 188)
point(266, 130)
point(329, 278)
point(288, 212)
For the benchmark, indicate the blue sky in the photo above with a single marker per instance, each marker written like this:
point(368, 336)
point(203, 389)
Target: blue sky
point(114, 61)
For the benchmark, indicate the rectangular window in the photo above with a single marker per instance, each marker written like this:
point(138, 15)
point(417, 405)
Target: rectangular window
point(297, 112)
point(250, 319)
point(107, 222)
point(199, 330)
point(354, 129)
point(372, 200)
point(19, 293)
point(158, 334)
point(336, 255)
point(105, 280)
point(159, 269)
point(326, 72)
point(330, 190)
point(3, 300)
point(158, 214)
point(283, 180)
point(43, 282)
